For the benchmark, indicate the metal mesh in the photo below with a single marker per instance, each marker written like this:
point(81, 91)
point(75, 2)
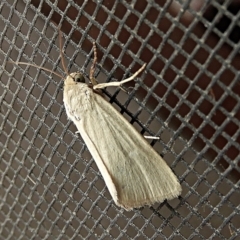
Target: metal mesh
point(188, 95)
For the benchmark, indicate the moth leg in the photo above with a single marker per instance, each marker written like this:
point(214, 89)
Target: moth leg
point(93, 67)
point(151, 137)
point(118, 84)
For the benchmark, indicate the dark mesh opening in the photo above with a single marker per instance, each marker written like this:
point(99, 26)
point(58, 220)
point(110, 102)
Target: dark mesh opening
point(189, 96)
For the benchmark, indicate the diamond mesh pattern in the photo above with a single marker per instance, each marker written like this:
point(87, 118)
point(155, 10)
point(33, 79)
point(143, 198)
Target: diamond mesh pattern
point(189, 95)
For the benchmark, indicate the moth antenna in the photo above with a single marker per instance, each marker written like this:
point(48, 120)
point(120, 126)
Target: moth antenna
point(61, 52)
point(93, 67)
point(36, 66)
point(46, 69)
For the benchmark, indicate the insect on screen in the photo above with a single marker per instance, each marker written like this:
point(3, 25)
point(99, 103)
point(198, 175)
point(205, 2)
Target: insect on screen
point(187, 99)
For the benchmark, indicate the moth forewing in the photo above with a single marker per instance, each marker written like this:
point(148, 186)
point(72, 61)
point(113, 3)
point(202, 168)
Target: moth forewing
point(134, 173)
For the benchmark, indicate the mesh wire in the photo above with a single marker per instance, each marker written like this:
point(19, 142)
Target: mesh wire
point(189, 96)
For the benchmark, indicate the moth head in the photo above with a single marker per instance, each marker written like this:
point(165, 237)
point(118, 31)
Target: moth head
point(74, 78)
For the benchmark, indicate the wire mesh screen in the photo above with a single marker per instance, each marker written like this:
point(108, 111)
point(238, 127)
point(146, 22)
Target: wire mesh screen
point(188, 96)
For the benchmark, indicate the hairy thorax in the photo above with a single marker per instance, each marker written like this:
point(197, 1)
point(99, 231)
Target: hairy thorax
point(78, 98)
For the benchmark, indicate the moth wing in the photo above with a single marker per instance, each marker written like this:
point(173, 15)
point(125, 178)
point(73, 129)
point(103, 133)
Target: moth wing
point(134, 173)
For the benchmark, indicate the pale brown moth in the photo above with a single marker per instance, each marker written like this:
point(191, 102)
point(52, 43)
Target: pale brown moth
point(133, 171)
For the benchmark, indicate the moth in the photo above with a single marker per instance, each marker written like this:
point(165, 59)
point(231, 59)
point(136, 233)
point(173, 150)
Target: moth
point(135, 174)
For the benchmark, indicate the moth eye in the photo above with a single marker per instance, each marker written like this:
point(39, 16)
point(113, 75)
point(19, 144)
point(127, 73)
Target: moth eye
point(79, 78)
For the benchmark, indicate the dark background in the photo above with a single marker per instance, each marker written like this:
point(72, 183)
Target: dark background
point(188, 96)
